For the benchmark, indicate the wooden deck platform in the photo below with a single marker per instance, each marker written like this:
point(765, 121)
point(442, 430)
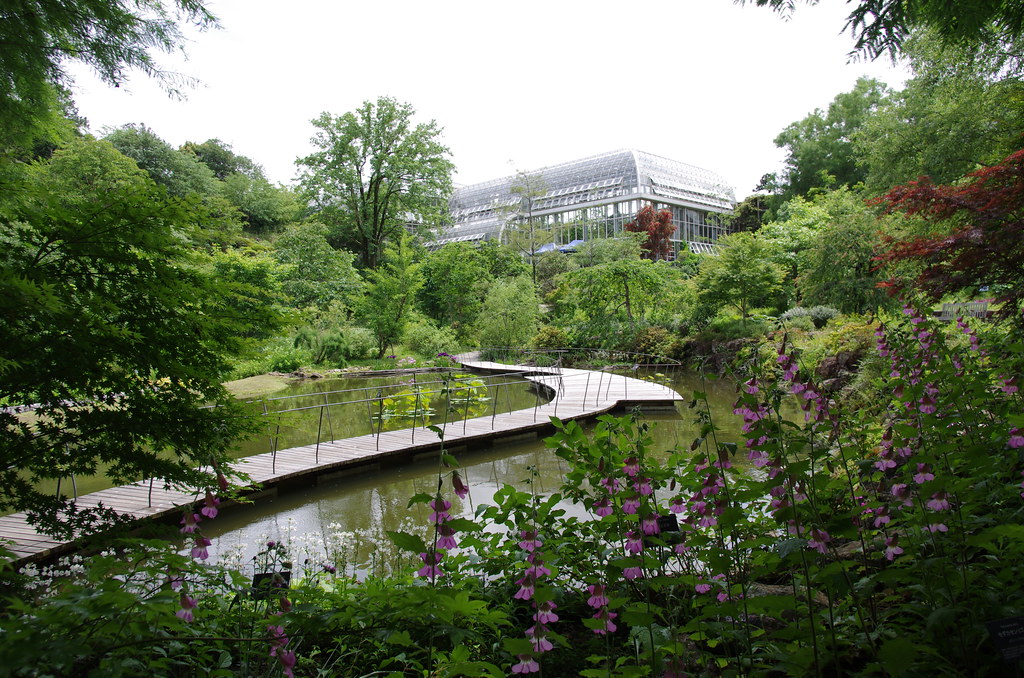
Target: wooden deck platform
point(574, 394)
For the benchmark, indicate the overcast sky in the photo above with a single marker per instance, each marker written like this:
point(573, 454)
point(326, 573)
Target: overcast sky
point(516, 86)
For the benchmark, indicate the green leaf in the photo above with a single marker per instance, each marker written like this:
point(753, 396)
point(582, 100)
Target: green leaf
point(897, 655)
point(401, 638)
point(463, 525)
point(408, 542)
point(421, 498)
point(515, 646)
point(637, 617)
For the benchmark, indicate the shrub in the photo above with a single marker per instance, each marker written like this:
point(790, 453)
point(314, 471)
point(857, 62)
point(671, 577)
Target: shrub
point(819, 315)
point(654, 341)
point(822, 314)
point(361, 343)
point(550, 336)
point(800, 322)
point(425, 338)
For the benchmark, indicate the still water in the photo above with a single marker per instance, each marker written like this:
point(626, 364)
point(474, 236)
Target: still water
point(353, 513)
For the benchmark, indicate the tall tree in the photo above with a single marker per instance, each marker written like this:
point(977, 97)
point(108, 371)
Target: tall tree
point(180, 172)
point(38, 37)
point(454, 278)
point(524, 231)
point(961, 110)
point(741, 274)
point(315, 274)
point(390, 296)
point(375, 174)
point(221, 160)
point(658, 228)
point(113, 333)
point(820, 151)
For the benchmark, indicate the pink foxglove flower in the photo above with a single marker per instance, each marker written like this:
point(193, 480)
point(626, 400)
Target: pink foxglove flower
point(597, 596)
point(603, 507)
point(461, 490)
point(527, 664)
point(632, 573)
point(190, 521)
point(430, 570)
point(210, 505)
point(530, 540)
point(199, 551)
point(606, 617)
point(891, 548)
point(188, 604)
point(634, 542)
point(440, 513)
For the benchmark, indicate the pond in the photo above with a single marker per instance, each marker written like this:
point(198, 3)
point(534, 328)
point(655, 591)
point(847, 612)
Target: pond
point(353, 514)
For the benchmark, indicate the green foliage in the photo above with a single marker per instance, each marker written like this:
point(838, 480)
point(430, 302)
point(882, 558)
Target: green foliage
point(111, 36)
point(251, 286)
point(741, 274)
point(624, 291)
point(598, 251)
point(265, 208)
point(551, 266)
point(374, 173)
point(428, 339)
point(113, 328)
point(959, 112)
point(454, 278)
point(550, 337)
point(314, 273)
point(866, 541)
point(181, 173)
point(880, 27)
point(818, 315)
point(221, 160)
point(510, 313)
point(324, 346)
point(390, 295)
point(654, 341)
point(820, 150)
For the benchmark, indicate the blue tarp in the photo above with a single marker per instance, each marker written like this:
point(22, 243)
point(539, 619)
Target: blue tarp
point(570, 247)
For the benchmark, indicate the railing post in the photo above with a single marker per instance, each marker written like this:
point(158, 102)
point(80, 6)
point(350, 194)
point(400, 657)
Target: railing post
point(330, 423)
point(416, 390)
point(465, 411)
point(380, 414)
point(273, 454)
point(494, 409)
point(319, 430)
point(369, 416)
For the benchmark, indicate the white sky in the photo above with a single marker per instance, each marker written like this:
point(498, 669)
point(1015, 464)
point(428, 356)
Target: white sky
point(516, 86)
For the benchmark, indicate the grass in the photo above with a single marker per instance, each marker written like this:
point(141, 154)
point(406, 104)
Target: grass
point(253, 387)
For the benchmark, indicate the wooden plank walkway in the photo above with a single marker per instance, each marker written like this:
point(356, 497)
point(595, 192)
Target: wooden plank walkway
point(575, 394)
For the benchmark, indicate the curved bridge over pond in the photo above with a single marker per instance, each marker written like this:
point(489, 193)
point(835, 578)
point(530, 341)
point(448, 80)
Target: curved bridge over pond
point(572, 393)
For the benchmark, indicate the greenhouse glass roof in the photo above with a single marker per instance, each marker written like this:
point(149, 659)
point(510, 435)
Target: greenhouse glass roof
point(480, 210)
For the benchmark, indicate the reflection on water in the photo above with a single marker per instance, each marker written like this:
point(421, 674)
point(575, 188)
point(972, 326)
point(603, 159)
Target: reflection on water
point(373, 503)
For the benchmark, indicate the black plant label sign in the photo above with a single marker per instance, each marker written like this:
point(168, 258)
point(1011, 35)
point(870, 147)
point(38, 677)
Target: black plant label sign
point(1008, 635)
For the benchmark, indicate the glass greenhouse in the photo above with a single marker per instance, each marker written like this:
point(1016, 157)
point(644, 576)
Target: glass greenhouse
point(593, 198)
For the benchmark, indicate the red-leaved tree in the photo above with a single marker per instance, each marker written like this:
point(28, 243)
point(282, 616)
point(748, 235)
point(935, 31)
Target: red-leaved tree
point(657, 224)
point(984, 242)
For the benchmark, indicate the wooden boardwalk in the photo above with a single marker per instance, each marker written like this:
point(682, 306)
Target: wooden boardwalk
point(575, 394)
